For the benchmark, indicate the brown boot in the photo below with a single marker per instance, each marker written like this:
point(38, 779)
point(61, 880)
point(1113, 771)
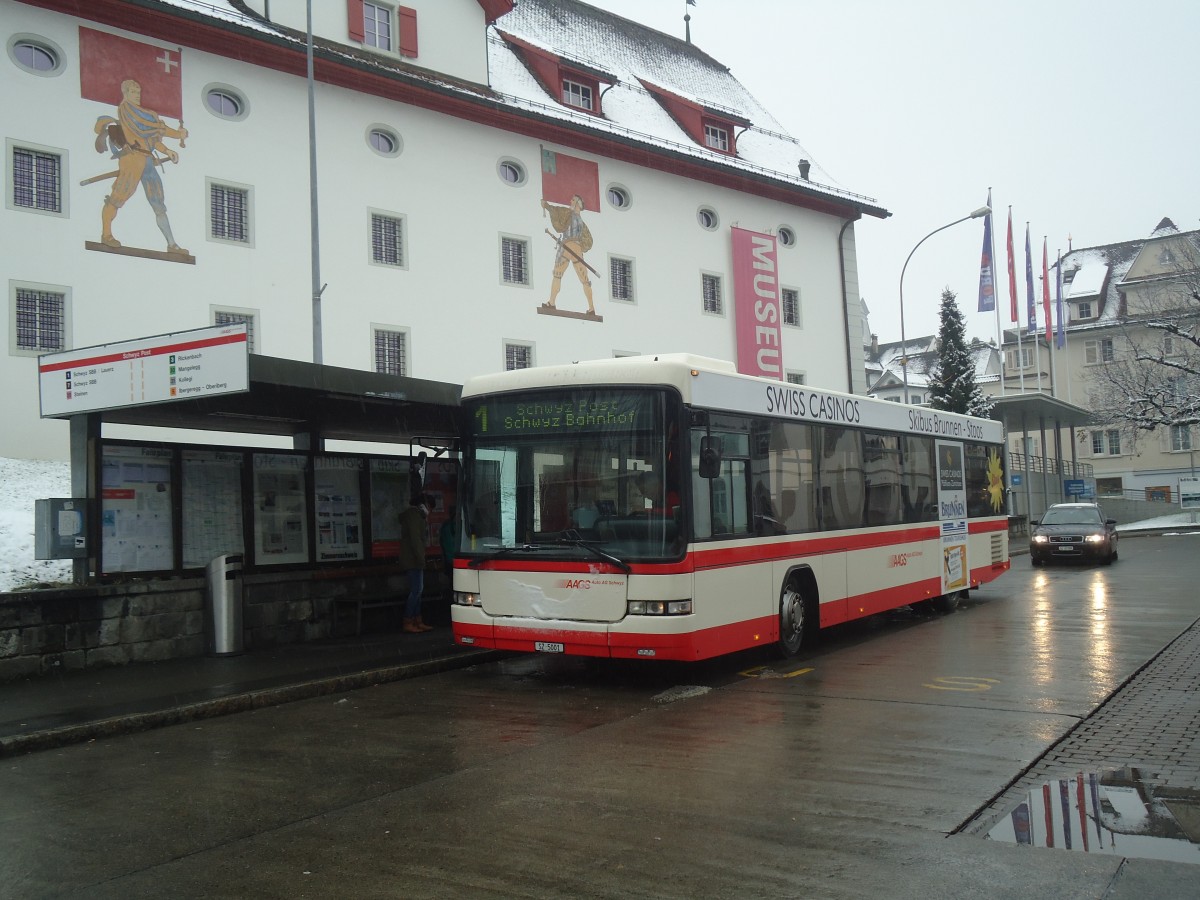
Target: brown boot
point(410, 627)
point(421, 626)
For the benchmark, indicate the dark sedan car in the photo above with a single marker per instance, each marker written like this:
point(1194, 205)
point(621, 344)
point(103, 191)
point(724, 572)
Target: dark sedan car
point(1073, 531)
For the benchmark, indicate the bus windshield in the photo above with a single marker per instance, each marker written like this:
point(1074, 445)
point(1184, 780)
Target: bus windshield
point(583, 474)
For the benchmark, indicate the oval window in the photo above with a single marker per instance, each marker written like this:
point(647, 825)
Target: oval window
point(224, 104)
point(707, 218)
point(36, 56)
point(787, 237)
point(384, 141)
point(511, 172)
point(618, 197)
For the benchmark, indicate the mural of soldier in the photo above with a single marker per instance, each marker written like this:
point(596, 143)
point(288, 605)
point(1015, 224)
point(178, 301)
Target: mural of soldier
point(135, 139)
point(574, 240)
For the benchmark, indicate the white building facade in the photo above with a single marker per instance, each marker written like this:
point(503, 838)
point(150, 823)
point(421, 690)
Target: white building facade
point(451, 140)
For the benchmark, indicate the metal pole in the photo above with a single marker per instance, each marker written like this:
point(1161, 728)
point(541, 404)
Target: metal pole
point(314, 226)
point(982, 211)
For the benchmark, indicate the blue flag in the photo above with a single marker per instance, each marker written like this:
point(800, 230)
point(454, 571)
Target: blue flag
point(1030, 303)
point(987, 275)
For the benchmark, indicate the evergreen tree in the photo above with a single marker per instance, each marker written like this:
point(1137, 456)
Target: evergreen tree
point(952, 384)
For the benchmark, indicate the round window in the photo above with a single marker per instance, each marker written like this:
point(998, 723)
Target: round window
point(511, 172)
point(787, 237)
point(384, 141)
point(35, 55)
point(226, 102)
point(618, 197)
point(707, 218)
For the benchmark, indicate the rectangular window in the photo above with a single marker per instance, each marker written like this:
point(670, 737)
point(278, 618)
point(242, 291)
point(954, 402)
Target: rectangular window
point(796, 378)
point(229, 213)
point(576, 94)
point(377, 26)
point(716, 137)
point(1106, 443)
point(391, 352)
point(1181, 437)
point(1085, 309)
point(232, 317)
point(620, 279)
point(517, 356)
point(789, 299)
point(1099, 351)
point(711, 288)
point(1014, 360)
point(39, 320)
point(514, 260)
point(36, 180)
point(387, 240)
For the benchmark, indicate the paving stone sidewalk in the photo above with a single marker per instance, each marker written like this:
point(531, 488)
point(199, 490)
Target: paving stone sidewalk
point(1152, 723)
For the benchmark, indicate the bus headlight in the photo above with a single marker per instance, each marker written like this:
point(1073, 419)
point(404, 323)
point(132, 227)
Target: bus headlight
point(660, 607)
point(466, 598)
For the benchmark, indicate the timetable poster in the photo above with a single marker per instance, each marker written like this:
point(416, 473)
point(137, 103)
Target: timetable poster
point(212, 498)
point(136, 533)
point(280, 509)
point(338, 503)
point(952, 511)
point(389, 497)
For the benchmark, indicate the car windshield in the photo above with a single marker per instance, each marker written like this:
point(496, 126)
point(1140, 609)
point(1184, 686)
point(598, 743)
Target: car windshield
point(1072, 516)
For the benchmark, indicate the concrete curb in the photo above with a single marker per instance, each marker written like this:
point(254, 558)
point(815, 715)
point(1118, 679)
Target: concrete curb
point(15, 745)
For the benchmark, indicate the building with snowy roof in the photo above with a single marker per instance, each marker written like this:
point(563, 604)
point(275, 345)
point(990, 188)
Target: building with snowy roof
point(1111, 295)
point(497, 185)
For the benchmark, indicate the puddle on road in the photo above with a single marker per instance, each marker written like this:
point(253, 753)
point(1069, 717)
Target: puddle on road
point(1119, 812)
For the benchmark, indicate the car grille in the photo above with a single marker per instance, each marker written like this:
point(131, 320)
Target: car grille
point(1066, 539)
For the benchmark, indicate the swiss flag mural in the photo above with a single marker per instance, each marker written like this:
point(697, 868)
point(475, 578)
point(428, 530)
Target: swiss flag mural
point(565, 176)
point(105, 60)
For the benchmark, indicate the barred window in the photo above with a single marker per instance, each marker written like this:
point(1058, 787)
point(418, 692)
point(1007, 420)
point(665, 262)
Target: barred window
point(621, 278)
point(227, 317)
point(36, 180)
point(795, 378)
point(377, 26)
point(387, 240)
point(40, 320)
point(712, 293)
point(514, 260)
point(517, 356)
point(230, 213)
point(391, 352)
point(789, 298)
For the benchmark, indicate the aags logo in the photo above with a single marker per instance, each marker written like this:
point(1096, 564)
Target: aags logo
point(576, 584)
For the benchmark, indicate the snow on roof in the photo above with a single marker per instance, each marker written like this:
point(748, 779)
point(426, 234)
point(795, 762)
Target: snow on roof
point(1088, 280)
point(1163, 228)
point(601, 41)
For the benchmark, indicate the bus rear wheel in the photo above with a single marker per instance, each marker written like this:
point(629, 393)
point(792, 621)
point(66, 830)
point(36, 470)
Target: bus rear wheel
point(793, 620)
point(947, 602)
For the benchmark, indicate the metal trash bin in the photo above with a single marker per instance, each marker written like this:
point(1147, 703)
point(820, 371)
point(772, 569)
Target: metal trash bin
point(223, 632)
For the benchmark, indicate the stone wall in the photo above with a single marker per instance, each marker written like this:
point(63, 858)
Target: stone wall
point(147, 621)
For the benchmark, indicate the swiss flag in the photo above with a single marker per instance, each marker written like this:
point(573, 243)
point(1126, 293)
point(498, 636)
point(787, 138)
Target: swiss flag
point(105, 60)
point(565, 176)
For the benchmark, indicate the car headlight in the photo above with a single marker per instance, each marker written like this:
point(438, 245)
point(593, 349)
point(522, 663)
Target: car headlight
point(1040, 539)
point(1095, 539)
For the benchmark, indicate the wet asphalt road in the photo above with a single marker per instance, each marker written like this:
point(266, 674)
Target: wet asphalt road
point(840, 774)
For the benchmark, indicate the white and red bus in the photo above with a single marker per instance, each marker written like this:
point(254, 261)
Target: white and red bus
point(670, 508)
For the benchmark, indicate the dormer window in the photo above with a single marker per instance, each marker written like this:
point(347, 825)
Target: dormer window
point(576, 94)
point(716, 137)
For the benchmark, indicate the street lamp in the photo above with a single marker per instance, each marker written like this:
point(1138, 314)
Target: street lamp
point(982, 211)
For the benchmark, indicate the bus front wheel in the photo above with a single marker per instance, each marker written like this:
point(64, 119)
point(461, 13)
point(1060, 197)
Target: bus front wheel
point(793, 620)
point(947, 602)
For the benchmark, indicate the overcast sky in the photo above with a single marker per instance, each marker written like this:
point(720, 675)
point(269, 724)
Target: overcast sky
point(1078, 113)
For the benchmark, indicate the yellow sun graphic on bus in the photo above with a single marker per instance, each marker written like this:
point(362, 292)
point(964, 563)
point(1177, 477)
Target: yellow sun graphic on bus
point(995, 485)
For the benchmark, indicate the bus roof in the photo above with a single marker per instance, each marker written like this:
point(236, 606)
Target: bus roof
point(716, 384)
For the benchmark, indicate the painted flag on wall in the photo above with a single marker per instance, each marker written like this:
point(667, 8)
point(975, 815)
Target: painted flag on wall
point(1030, 303)
point(1060, 335)
point(1045, 290)
point(565, 176)
point(1012, 275)
point(106, 60)
point(987, 275)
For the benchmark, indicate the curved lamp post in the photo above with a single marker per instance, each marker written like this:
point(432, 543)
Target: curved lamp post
point(982, 211)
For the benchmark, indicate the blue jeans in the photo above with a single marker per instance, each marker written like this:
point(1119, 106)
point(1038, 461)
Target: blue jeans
point(416, 584)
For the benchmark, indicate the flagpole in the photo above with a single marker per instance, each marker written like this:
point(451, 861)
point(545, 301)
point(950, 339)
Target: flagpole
point(992, 264)
point(1012, 302)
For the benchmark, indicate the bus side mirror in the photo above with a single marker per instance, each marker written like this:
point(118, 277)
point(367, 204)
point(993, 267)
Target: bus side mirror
point(710, 457)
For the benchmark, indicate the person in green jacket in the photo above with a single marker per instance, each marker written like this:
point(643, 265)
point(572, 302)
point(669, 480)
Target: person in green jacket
point(413, 535)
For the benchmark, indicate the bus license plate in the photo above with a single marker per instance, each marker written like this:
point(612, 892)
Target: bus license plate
point(547, 647)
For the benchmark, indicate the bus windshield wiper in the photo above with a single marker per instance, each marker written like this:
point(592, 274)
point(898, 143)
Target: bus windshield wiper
point(502, 552)
point(572, 538)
